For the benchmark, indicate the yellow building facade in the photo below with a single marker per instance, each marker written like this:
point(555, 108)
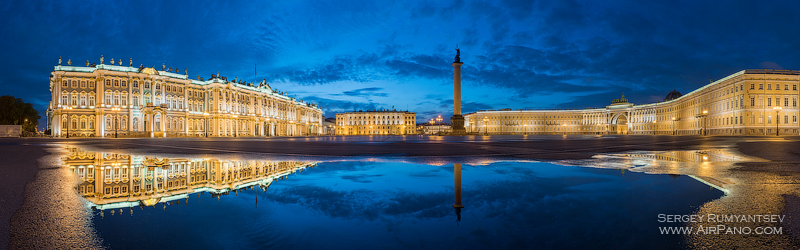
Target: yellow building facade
point(376, 122)
point(124, 101)
point(749, 102)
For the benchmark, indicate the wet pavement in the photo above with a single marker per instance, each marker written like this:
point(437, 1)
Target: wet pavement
point(752, 175)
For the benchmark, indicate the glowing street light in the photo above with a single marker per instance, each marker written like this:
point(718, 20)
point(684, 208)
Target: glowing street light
point(777, 120)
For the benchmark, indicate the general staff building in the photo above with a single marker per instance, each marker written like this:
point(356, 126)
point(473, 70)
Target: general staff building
point(749, 102)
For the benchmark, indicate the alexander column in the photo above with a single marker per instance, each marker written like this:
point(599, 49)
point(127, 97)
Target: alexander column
point(457, 121)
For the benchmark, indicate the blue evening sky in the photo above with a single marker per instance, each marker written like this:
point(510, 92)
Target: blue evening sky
point(349, 55)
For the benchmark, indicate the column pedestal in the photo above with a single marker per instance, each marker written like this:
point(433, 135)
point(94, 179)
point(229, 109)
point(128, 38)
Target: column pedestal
point(457, 123)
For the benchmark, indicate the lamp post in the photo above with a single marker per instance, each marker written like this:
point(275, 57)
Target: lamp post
point(115, 109)
point(205, 126)
point(703, 116)
point(654, 127)
point(777, 120)
point(673, 126)
point(486, 128)
point(525, 128)
point(235, 125)
point(68, 120)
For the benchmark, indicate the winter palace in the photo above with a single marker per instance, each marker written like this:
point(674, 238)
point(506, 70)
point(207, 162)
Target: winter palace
point(108, 100)
point(749, 102)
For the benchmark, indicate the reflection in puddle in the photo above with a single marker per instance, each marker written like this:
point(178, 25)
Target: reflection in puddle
point(374, 204)
point(111, 181)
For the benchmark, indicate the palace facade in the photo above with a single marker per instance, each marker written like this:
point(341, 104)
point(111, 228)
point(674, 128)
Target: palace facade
point(107, 100)
point(749, 102)
point(376, 122)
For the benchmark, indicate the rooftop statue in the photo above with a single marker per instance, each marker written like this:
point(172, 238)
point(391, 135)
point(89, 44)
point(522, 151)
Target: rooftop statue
point(69, 62)
point(185, 72)
point(130, 62)
point(163, 66)
point(59, 61)
point(120, 62)
point(87, 63)
point(458, 54)
point(112, 61)
point(101, 59)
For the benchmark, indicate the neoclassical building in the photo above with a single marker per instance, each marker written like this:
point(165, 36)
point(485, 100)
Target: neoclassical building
point(376, 122)
point(124, 101)
point(749, 102)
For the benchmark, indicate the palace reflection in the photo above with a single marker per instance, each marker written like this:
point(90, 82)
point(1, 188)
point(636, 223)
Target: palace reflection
point(110, 181)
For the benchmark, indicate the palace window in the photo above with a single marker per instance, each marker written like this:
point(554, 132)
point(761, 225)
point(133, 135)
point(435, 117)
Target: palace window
point(116, 83)
point(786, 87)
point(158, 86)
point(135, 84)
point(769, 87)
point(785, 119)
point(64, 84)
point(794, 119)
point(91, 84)
point(91, 123)
point(760, 86)
point(116, 98)
point(124, 83)
point(769, 101)
point(74, 83)
point(108, 83)
point(147, 85)
point(83, 123)
point(64, 99)
point(83, 99)
point(83, 84)
point(794, 87)
point(91, 99)
point(135, 101)
point(135, 124)
point(74, 98)
point(786, 102)
point(124, 100)
point(794, 102)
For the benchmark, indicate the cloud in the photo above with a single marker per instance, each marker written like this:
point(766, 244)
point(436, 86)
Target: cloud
point(365, 92)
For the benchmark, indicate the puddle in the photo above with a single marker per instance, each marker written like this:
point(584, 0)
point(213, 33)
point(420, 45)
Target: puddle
point(233, 203)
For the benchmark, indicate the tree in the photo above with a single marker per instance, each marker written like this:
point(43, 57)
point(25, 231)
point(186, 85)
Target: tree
point(14, 111)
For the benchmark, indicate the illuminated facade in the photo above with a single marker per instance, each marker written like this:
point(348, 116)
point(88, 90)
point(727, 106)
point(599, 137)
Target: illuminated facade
point(376, 122)
point(749, 102)
point(108, 100)
point(121, 181)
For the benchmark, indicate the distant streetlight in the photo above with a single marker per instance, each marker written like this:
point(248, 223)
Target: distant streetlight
point(777, 120)
point(116, 123)
point(673, 126)
point(205, 126)
point(68, 119)
point(654, 127)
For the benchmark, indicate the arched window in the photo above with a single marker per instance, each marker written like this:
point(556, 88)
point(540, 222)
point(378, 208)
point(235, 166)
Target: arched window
point(108, 123)
point(83, 99)
point(135, 84)
point(74, 99)
point(91, 84)
point(83, 84)
point(116, 83)
point(91, 99)
point(124, 98)
point(123, 124)
point(135, 124)
point(108, 82)
point(74, 83)
point(158, 123)
point(124, 83)
point(135, 102)
point(64, 83)
point(116, 98)
point(64, 98)
point(83, 123)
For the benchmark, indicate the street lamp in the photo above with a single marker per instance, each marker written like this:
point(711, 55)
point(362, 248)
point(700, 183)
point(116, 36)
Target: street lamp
point(673, 126)
point(235, 125)
point(115, 109)
point(68, 119)
point(654, 127)
point(486, 128)
point(565, 128)
point(205, 126)
point(703, 115)
point(777, 120)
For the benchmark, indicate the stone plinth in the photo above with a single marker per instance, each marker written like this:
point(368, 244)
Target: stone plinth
point(457, 124)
